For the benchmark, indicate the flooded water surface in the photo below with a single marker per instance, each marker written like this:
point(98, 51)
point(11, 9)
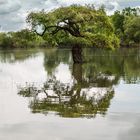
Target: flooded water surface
point(43, 95)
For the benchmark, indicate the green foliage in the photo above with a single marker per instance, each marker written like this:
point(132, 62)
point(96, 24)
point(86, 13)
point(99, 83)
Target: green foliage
point(118, 21)
point(82, 25)
point(132, 30)
point(20, 39)
point(5, 40)
point(131, 11)
point(127, 26)
point(23, 38)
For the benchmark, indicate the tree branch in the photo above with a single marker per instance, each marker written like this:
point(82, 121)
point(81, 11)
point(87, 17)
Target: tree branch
point(71, 29)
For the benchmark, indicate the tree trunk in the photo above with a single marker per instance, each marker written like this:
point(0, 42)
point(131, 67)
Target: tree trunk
point(77, 72)
point(77, 54)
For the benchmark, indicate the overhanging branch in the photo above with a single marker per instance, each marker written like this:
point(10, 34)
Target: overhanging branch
point(71, 29)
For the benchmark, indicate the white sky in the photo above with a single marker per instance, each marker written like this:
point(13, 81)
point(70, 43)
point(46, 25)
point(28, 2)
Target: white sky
point(14, 12)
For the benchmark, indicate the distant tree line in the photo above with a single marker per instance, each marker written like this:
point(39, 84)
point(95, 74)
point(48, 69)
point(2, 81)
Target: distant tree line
point(127, 26)
point(82, 25)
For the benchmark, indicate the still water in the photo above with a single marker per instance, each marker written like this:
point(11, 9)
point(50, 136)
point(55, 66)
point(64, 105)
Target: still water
point(43, 95)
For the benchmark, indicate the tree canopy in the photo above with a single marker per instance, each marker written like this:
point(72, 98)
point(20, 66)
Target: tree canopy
point(127, 26)
point(75, 24)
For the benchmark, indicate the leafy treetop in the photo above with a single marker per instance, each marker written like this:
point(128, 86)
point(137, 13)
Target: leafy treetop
point(75, 24)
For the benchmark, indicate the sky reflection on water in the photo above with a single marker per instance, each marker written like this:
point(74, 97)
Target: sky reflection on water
point(121, 120)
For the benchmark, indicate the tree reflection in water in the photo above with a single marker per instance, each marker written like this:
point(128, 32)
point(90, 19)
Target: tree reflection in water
point(83, 97)
point(92, 85)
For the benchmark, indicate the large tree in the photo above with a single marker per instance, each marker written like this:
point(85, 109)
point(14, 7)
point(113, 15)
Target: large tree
point(78, 25)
